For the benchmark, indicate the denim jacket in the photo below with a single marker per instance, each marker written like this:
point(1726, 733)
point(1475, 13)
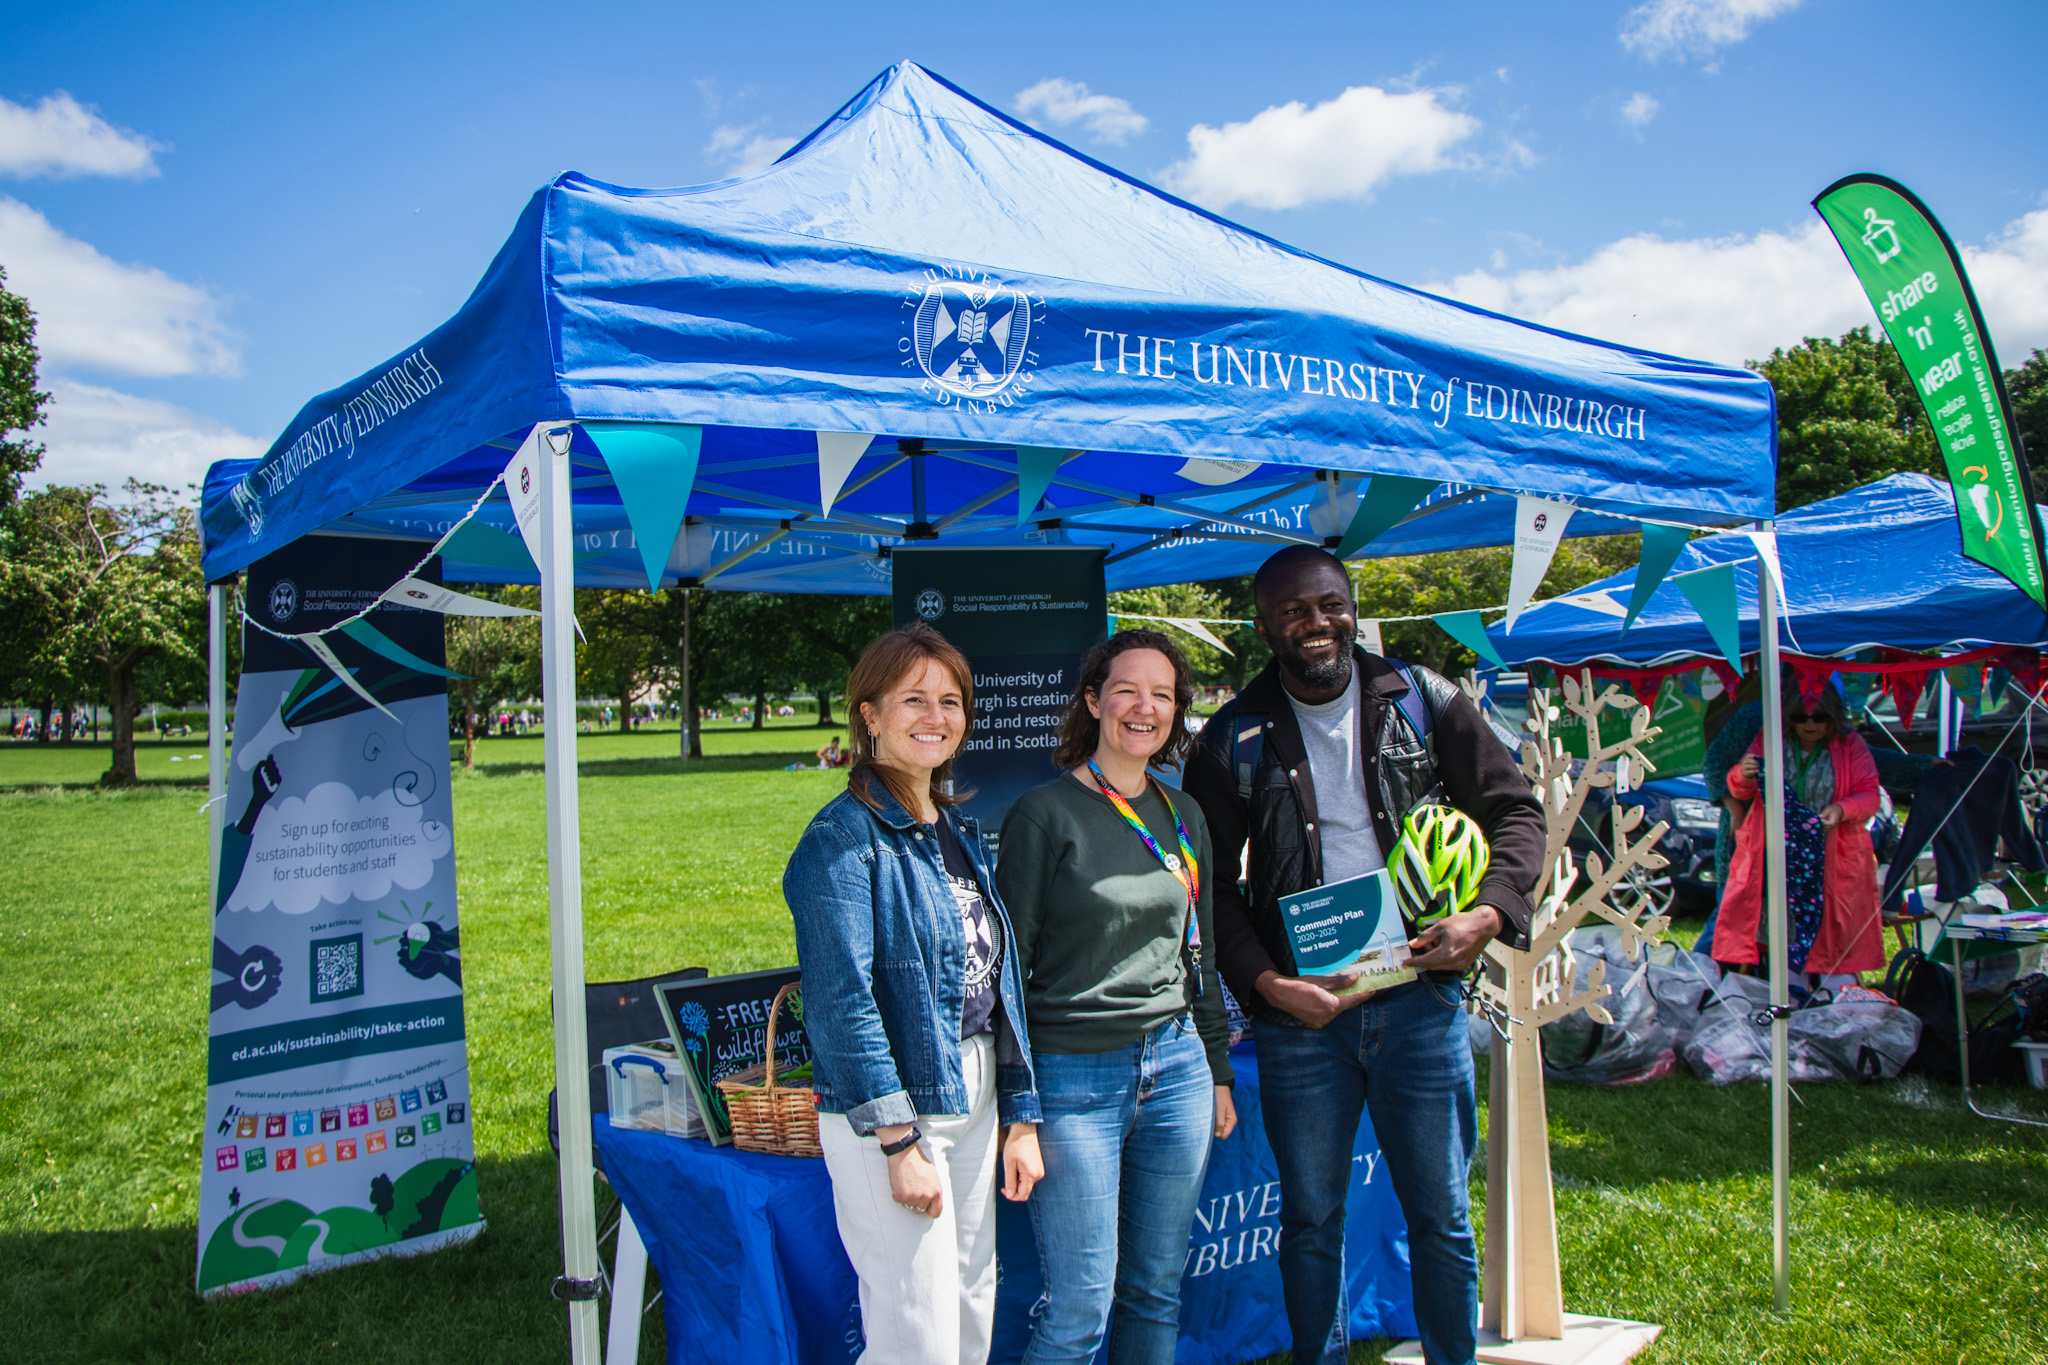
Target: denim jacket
point(883, 953)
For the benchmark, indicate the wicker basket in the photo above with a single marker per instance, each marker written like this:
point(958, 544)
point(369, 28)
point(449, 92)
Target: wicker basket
point(769, 1115)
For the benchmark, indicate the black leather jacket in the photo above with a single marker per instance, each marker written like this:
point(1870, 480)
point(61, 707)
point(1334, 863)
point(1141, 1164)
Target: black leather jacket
point(1462, 756)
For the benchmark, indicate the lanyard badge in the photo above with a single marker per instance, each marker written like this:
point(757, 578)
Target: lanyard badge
point(1181, 865)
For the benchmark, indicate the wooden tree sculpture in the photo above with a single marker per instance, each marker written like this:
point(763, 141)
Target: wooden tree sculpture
point(1523, 990)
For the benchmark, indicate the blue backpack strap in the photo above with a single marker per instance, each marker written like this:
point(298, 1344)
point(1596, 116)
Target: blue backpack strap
point(1413, 704)
point(1245, 746)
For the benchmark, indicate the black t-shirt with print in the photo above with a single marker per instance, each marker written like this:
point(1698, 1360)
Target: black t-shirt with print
point(984, 944)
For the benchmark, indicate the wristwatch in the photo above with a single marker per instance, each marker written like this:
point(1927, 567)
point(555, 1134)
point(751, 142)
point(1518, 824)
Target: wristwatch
point(904, 1143)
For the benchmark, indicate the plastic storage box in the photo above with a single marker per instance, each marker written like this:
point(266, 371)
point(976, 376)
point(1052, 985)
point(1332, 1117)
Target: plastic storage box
point(646, 1089)
point(2036, 1055)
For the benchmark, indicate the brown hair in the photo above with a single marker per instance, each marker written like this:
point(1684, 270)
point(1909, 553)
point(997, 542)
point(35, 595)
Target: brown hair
point(883, 665)
point(1081, 732)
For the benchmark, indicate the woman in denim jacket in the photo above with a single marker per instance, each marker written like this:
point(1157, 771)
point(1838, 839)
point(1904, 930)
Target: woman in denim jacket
point(915, 1012)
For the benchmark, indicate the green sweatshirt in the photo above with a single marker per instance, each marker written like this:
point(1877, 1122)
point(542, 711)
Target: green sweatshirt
point(1099, 921)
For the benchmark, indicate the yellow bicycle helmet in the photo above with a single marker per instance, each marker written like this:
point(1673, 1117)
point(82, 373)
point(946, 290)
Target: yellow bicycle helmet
point(1438, 864)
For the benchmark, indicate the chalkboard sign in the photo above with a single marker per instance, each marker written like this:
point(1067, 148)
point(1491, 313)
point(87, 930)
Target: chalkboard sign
point(720, 1024)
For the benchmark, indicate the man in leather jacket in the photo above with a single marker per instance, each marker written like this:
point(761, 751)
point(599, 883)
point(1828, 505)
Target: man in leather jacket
point(1313, 767)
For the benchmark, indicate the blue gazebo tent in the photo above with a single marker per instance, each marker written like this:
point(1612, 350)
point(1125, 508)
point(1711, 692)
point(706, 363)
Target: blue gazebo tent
point(928, 322)
point(1878, 565)
point(928, 272)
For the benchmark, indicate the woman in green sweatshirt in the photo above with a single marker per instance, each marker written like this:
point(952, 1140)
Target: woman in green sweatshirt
point(1106, 876)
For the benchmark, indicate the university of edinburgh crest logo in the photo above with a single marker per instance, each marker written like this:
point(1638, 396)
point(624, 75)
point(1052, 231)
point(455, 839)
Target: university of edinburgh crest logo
point(931, 604)
point(284, 600)
point(971, 336)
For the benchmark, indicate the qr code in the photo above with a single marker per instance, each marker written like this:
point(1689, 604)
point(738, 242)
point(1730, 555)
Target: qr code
point(337, 968)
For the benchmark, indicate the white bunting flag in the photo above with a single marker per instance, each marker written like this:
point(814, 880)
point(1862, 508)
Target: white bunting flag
point(335, 666)
point(416, 592)
point(1215, 473)
point(1199, 631)
point(838, 453)
point(523, 477)
point(1369, 638)
point(1539, 526)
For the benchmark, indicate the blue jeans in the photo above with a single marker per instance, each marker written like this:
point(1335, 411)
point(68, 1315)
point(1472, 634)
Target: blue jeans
point(1125, 1139)
point(1405, 1056)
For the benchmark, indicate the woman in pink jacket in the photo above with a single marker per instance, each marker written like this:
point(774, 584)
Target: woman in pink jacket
point(1830, 867)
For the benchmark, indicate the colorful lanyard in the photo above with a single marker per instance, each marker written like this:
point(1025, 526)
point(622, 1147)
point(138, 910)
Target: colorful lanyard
point(1182, 867)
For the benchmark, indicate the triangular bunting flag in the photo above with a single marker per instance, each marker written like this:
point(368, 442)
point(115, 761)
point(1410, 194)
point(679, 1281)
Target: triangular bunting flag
point(477, 542)
point(1469, 630)
point(653, 464)
point(1766, 543)
point(1387, 499)
point(377, 642)
point(1539, 526)
point(417, 592)
point(523, 476)
point(1199, 631)
point(1036, 466)
point(1712, 594)
point(334, 665)
point(1369, 638)
point(838, 453)
point(1661, 545)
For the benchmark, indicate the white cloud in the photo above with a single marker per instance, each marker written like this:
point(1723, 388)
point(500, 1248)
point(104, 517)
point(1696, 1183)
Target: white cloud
point(61, 137)
point(1293, 154)
point(96, 435)
point(1108, 118)
point(96, 313)
point(1638, 109)
point(746, 147)
point(1696, 28)
point(1732, 299)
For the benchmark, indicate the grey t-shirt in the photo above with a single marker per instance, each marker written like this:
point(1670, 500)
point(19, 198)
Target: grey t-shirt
point(1330, 734)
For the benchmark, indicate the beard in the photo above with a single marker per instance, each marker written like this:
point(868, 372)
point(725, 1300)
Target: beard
point(1320, 674)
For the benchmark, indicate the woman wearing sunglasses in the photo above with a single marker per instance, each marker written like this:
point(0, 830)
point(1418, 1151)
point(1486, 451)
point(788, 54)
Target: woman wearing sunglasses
point(1831, 791)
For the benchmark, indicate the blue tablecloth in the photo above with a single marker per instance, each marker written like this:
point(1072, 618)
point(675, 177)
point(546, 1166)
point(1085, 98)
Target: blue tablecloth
point(751, 1267)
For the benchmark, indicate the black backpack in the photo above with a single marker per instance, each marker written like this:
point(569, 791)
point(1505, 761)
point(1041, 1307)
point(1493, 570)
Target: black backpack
point(1928, 989)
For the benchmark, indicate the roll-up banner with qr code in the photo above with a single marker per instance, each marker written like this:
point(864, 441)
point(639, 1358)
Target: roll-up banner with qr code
point(337, 1085)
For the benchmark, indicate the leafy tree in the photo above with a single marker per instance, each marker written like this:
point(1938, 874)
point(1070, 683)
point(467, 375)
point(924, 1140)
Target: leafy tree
point(1463, 580)
point(1848, 414)
point(21, 406)
point(830, 633)
point(2028, 388)
point(117, 584)
point(617, 655)
point(383, 1198)
point(498, 658)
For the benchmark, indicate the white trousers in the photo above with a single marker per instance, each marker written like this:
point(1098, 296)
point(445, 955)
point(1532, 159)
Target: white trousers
point(927, 1285)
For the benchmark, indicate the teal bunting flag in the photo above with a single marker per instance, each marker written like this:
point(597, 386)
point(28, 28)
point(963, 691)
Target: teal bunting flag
point(377, 642)
point(1036, 466)
point(1712, 594)
point(477, 542)
point(1661, 545)
point(1387, 499)
point(1469, 630)
point(654, 465)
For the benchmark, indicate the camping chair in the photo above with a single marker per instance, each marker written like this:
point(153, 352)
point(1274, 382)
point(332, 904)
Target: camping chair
point(615, 1013)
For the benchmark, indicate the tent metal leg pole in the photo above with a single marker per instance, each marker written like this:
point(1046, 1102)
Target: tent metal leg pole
point(565, 901)
point(1774, 884)
point(216, 731)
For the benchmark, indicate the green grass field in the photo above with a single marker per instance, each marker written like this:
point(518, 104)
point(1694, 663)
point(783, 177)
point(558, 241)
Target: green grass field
point(1921, 1232)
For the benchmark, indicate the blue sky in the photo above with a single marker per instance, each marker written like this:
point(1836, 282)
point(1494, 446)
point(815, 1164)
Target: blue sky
point(220, 211)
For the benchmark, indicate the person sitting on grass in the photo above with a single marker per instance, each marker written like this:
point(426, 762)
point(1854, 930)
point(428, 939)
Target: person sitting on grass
point(832, 756)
